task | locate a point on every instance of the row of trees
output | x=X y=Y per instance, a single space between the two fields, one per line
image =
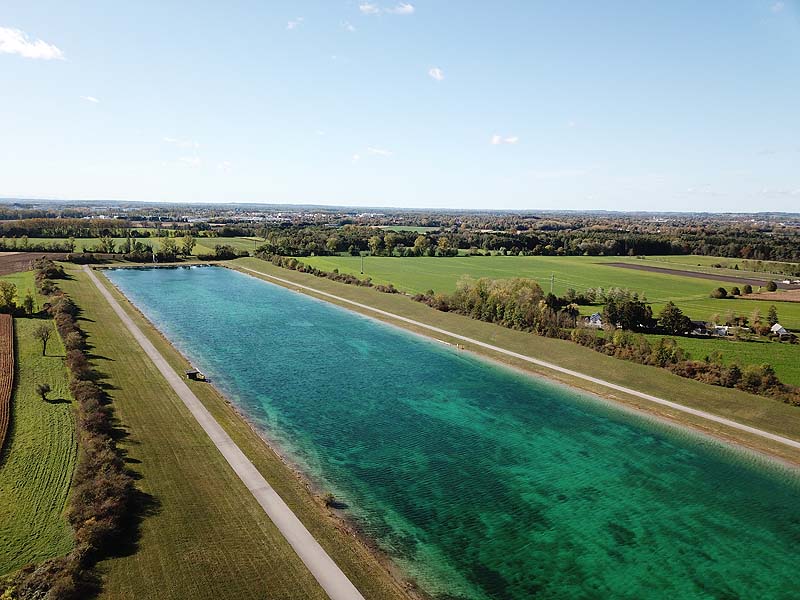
x=103 y=491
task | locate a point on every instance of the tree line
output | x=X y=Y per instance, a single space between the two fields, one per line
x=103 y=496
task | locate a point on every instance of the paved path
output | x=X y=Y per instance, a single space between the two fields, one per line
x=330 y=577
x=680 y=407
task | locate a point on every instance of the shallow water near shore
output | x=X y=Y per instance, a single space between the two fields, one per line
x=478 y=481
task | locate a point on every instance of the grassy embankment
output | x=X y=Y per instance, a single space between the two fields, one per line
x=580 y=273
x=37 y=462
x=759 y=412
x=206 y=537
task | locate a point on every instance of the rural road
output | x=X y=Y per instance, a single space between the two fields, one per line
x=322 y=567
x=613 y=386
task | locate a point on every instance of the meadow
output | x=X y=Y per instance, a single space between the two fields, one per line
x=205 y=245
x=416 y=275
x=39 y=455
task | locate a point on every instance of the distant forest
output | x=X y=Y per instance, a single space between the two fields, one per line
x=766 y=238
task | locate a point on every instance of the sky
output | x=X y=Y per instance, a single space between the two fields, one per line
x=651 y=105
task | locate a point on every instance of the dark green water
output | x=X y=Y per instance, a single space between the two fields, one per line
x=480 y=482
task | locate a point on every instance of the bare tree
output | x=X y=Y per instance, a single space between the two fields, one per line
x=42 y=333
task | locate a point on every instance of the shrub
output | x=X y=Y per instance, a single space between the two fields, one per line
x=719 y=293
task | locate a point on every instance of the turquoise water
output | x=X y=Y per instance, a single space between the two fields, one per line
x=481 y=482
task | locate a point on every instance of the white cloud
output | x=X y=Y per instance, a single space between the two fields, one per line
x=404 y=8
x=91 y=99
x=192 y=161
x=320 y=132
x=777 y=7
x=348 y=26
x=401 y=9
x=14 y=41
x=367 y=8
x=436 y=73
x=181 y=143
x=379 y=151
x=294 y=24
x=225 y=166
x=356 y=158
x=496 y=140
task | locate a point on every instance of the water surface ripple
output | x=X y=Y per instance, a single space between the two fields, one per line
x=481 y=482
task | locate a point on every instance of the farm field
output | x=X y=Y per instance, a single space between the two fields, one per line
x=704 y=264
x=420 y=274
x=784 y=357
x=204 y=536
x=6 y=375
x=39 y=455
x=204 y=245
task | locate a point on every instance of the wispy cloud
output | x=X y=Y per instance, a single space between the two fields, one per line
x=379 y=151
x=777 y=7
x=369 y=8
x=192 y=161
x=294 y=24
x=348 y=26
x=436 y=73
x=356 y=158
x=225 y=166
x=497 y=140
x=91 y=99
x=401 y=9
x=15 y=41
x=181 y=143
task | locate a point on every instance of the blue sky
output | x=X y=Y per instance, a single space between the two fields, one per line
x=677 y=105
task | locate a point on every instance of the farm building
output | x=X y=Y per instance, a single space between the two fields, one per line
x=781 y=332
x=596 y=321
x=700 y=327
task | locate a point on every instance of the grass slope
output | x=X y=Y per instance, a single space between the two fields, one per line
x=37 y=463
x=756 y=411
x=206 y=538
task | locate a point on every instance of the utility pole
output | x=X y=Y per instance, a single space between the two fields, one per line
x=362 y=262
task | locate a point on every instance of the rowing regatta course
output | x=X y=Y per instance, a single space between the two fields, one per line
x=478 y=481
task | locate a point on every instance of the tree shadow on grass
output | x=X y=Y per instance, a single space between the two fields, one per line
x=58 y=401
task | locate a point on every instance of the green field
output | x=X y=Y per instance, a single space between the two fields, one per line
x=205 y=245
x=37 y=463
x=205 y=536
x=25 y=283
x=784 y=357
x=577 y=272
x=703 y=264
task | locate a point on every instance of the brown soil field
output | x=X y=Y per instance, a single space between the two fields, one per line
x=15 y=262
x=6 y=373
x=785 y=296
